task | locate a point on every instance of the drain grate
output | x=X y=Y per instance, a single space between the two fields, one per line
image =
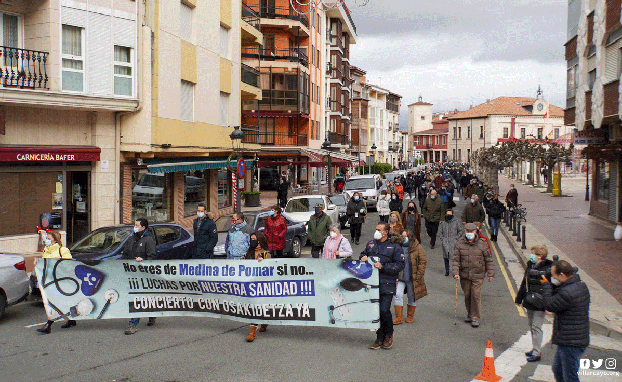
x=601 y=239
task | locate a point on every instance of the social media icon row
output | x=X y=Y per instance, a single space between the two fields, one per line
x=610 y=363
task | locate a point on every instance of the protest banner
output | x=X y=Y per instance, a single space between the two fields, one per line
x=334 y=293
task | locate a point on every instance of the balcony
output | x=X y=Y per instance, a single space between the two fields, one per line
x=339 y=139
x=285 y=17
x=251 y=26
x=273 y=54
x=611 y=99
x=250 y=83
x=23 y=68
x=252 y=135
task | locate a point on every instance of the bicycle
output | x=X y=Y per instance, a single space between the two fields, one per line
x=519 y=212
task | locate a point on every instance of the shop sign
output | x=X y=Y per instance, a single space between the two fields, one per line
x=592 y=137
x=36 y=154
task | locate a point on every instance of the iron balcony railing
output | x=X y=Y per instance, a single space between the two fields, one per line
x=339 y=139
x=274 y=139
x=270 y=53
x=250 y=75
x=251 y=16
x=23 y=68
x=251 y=133
x=269 y=12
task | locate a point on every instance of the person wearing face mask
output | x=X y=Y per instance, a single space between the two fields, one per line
x=449 y=231
x=388 y=258
x=470 y=189
x=495 y=212
x=205 y=234
x=395 y=223
x=472 y=260
x=433 y=212
x=480 y=191
x=537 y=265
x=473 y=211
x=356 y=212
x=411 y=219
x=275 y=230
x=257 y=251
x=336 y=245
x=238 y=237
x=383 y=206
x=319 y=230
x=54 y=250
x=410 y=279
x=396 y=203
x=139 y=246
x=570 y=302
x=400 y=189
x=512 y=196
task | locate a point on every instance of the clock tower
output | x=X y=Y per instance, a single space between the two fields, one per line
x=540 y=106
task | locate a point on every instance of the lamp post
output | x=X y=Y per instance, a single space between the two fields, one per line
x=373 y=149
x=326 y=145
x=237 y=135
x=587 y=179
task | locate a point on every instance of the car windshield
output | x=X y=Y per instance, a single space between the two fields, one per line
x=151 y=180
x=105 y=240
x=223 y=223
x=338 y=200
x=391 y=177
x=360 y=184
x=303 y=204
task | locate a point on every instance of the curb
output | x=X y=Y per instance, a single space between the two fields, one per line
x=595 y=326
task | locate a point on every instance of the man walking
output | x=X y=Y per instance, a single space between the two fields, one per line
x=512 y=197
x=433 y=212
x=356 y=212
x=468 y=266
x=238 y=238
x=319 y=229
x=473 y=211
x=570 y=302
x=205 y=235
x=388 y=257
x=282 y=190
x=140 y=246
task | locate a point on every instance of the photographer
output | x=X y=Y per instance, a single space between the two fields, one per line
x=530 y=295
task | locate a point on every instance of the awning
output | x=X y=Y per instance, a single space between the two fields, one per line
x=275 y=115
x=23 y=153
x=337 y=159
x=157 y=165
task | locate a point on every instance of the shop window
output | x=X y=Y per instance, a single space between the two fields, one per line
x=152 y=196
x=195 y=191
x=224 y=188
x=602 y=181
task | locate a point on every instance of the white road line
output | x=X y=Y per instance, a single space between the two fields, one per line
x=30 y=326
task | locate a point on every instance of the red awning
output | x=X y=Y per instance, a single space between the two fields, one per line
x=19 y=153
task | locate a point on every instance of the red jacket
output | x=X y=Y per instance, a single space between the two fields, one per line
x=275 y=231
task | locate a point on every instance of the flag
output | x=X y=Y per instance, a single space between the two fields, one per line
x=550 y=135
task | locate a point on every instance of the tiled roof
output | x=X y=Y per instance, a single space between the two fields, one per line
x=505 y=106
x=432 y=132
x=420 y=103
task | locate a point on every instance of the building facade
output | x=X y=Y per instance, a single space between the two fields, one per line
x=396 y=153
x=593 y=104
x=70 y=69
x=379 y=124
x=360 y=113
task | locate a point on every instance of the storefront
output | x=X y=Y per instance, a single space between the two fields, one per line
x=47 y=187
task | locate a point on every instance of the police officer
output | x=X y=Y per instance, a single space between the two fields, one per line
x=388 y=257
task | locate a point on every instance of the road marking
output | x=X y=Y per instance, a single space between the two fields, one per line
x=30 y=326
x=505 y=274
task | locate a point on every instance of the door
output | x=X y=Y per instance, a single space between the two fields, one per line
x=78 y=205
x=268 y=7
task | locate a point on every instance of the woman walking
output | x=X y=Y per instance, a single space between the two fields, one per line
x=395 y=223
x=356 y=212
x=275 y=230
x=495 y=210
x=336 y=245
x=449 y=231
x=410 y=279
x=411 y=218
x=396 y=203
x=54 y=250
x=258 y=250
x=383 y=206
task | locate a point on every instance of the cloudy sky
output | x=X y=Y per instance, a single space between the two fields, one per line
x=457 y=53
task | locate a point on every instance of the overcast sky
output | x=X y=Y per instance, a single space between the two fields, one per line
x=457 y=53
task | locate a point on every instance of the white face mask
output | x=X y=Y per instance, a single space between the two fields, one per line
x=470 y=235
x=333 y=234
x=200 y=214
x=555 y=282
x=47 y=242
x=377 y=235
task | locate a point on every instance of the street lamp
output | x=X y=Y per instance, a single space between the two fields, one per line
x=326 y=145
x=237 y=135
x=373 y=149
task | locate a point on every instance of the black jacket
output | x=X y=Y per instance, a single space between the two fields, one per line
x=353 y=209
x=396 y=205
x=140 y=244
x=205 y=238
x=533 y=279
x=571 y=304
x=495 y=209
x=391 y=256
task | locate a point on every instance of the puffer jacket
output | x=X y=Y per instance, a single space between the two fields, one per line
x=396 y=205
x=449 y=233
x=534 y=282
x=495 y=209
x=433 y=210
x=473 y=213
x=319 y=229
x=238 y=240
x=472 y=260
x=356 y=211
x=275 y=231
x=391 y=256
x=55 y=250
x=480 y=192
x=383 y=205
x=571 y=304
x=418 y=263
x=412 y=223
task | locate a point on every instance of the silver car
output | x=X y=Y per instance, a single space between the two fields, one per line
x=14 y=282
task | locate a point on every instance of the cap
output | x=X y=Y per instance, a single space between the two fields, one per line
x=319 y=205
x=470 y=226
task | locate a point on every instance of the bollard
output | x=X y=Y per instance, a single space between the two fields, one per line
x=518 y=230
x=505 y=217
x=514 y=230
x=524 y=244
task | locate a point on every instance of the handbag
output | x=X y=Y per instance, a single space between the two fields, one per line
x=534 y=299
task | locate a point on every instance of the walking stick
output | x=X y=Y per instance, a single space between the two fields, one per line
x=456 y=304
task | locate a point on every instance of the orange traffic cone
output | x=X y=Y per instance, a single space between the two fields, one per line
x=488 y=368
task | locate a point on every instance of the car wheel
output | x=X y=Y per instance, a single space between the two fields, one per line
x=2 y=303
x=296 y=249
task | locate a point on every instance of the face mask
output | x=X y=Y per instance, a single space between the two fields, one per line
x=449 y=217
x=377 y=235
x=392 y=220
x=271 y=213
x=254 y=243
x=356 y=198
x=470 y=235
x=472 y=201
x=333 y=234
x=200 y=214
x=393 y=197
x=411 y=209
x=532 y=258
x=432 y=197
x=47 y=242
x=556 y=282
x=136 y=230
x=405 y=241
x=318 y=211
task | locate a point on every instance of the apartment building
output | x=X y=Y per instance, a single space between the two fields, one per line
x=174 y=151
x=593 y=53
x=70 y=69
x=378 y=123
x=397 y=151
x=360 y=115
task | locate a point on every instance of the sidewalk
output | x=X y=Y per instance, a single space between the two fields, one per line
x=562 y=224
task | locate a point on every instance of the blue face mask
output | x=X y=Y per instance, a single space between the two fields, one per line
x=532 y=258
x=271 y=213
x=405 y=241
x=473 y=201
x=470 y=235
x=393 y=197
x=136 y=230
x=318 y=211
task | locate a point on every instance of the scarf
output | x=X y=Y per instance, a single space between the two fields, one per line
x=332 y=246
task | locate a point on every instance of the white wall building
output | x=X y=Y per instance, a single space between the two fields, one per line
x=378 y=123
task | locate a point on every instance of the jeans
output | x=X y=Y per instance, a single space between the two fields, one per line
x=410 y=292
x=134 y=321
x=386 y=319
x=494 y=226
x=316 y=250
x=432 y=229
x=536 y=318
x=446 y=265
x=566 y=363
x=355 y=230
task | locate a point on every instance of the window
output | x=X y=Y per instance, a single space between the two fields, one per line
x=540 y=133
x=571 y=82
x=317 y=55
x=455 y=132
x=167 y=234
x=313 y=54
x=454 y=150
x=185 y=22
x=592 y=78
x=468 y=132
x=460 y=154
x=318 y=95
x=152 y=195
x=481 y=131
x=224 y=188
x=505 y=132
x=556 y=133
x=10 y=36
x=317 y=130
x=468 y=155
x=195 y=190
x=72 y=59
x=602 y=181
x=437 y=142
x=312 y=130
x=619 y=62
x=312 y=93
x=123 y=71
x=423 y=117
x=224 y=43
x=186 y=105
x=459 y=132
x=522 y=133
x=224 y=109
x=444 y=140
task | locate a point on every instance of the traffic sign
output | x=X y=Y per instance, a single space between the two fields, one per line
x=418 y=154
x=241 y=168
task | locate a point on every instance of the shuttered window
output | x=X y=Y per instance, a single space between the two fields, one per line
x=185 y=22
x=187 y=101
x=224 y=109
x=73 y=59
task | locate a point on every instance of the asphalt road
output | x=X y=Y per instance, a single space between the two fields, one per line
x=203 y=349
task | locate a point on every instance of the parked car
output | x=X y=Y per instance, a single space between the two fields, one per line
x=295 y=237
x=14 y=286
x=300 y=208
x=390 y=177
x=341 y=201
x=369 y=186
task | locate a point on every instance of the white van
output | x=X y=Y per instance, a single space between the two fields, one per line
x=368 y=186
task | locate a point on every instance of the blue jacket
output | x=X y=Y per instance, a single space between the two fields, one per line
x=391 y=256
x=445 y=195
x=238 y=240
